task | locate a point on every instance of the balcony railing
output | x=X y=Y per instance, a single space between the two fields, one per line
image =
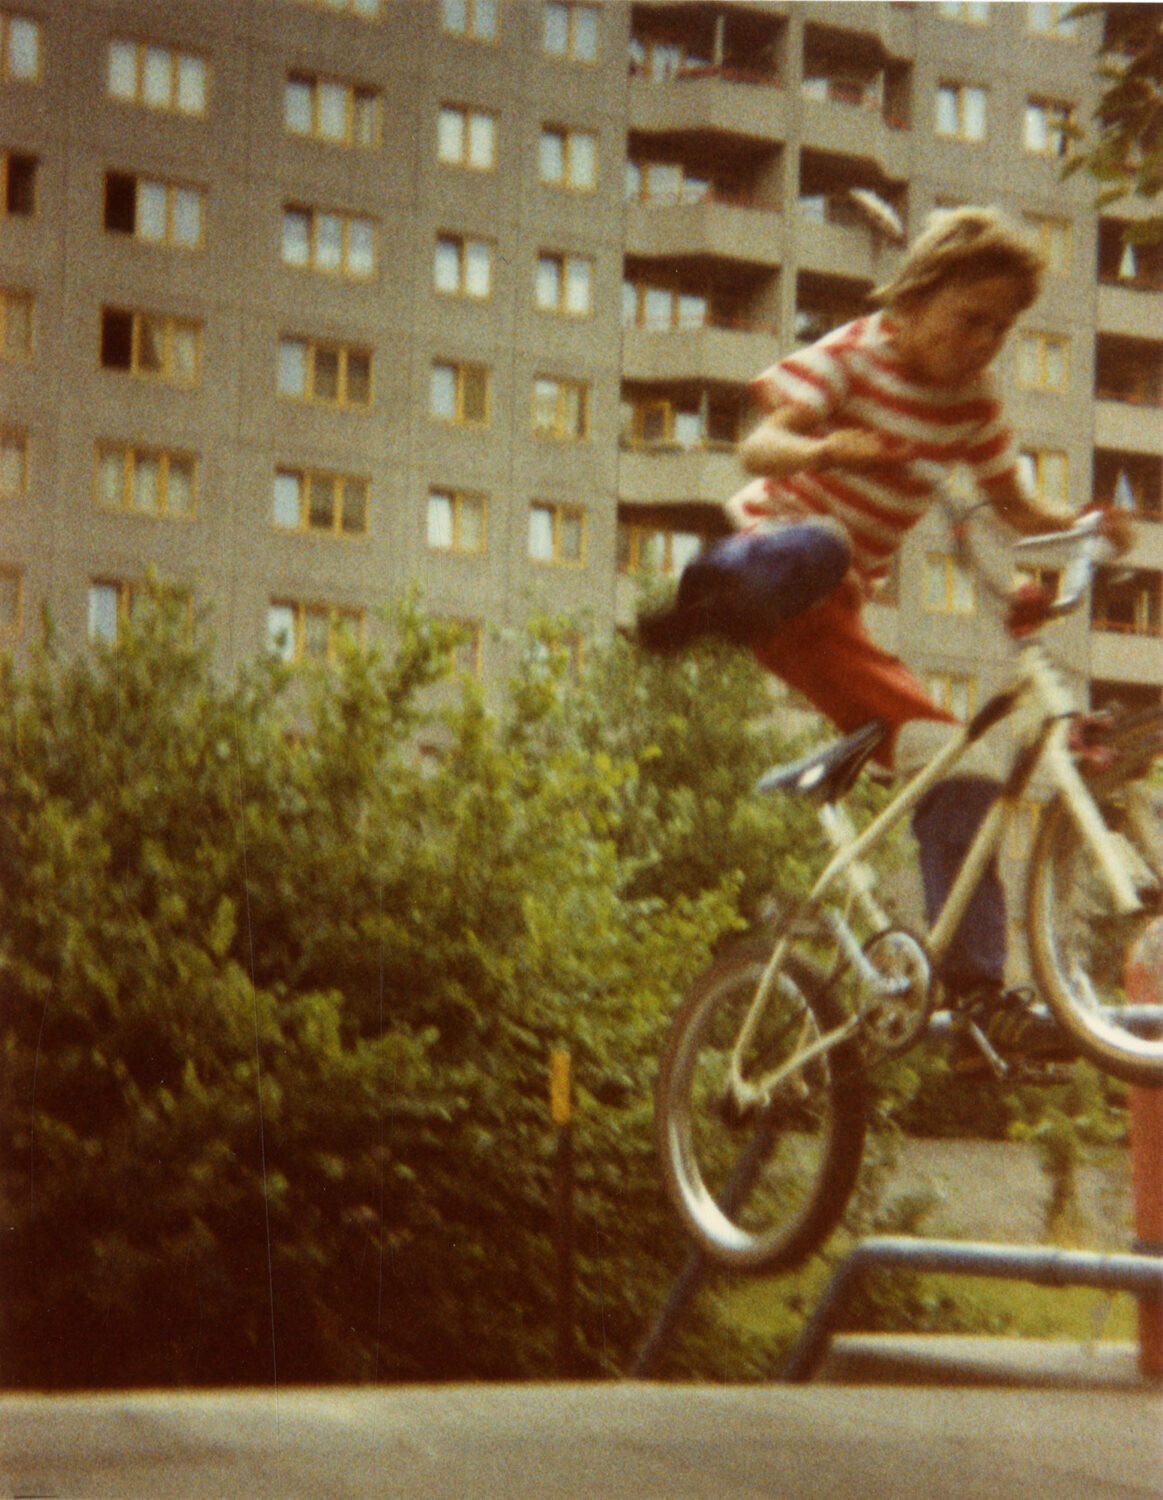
x=688 y=72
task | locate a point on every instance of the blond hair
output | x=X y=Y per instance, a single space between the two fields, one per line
x=964 y=244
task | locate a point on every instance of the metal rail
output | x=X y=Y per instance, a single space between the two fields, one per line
x=1141 y=1275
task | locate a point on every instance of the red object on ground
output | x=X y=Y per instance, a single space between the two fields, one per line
x=1144 y=976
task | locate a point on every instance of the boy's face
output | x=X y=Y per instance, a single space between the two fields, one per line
x=953 y=334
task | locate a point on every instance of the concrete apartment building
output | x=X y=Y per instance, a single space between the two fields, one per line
x=306 y=300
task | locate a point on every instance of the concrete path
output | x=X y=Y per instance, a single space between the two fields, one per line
x=601 y=1442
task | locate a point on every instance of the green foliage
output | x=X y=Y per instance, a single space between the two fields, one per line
x=277 y=994
x=1125 y=152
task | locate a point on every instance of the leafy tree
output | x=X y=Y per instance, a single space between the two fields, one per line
x=1126 y=154
x=277 y=994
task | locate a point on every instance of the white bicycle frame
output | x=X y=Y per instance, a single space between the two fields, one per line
x=1038 y=685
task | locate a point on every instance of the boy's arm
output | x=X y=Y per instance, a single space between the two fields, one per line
x=785 y=442
x=1027 y=515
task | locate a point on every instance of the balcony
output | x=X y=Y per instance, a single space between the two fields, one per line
x=847 y=250
x=1132 y=659
x=713 y=228
x=1130 y=310
x=1121 y=424
x=710 y=100
x=726 y=356
x=664 y=475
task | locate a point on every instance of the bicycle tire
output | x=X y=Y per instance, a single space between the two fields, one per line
x=1078 y=943
x=802 y=1150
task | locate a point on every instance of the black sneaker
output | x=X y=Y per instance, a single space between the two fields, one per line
x=1000 y=1027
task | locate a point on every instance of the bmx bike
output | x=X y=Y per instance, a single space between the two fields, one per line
x=762 y=1094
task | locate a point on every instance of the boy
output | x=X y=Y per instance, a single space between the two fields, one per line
x=858 y=433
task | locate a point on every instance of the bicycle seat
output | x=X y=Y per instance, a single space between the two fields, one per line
x=827 y=774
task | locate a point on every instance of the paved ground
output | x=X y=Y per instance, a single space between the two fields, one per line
x=603 y=1442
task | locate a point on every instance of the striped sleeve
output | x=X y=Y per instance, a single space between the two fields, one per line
x=990 y=451
x=814 y=379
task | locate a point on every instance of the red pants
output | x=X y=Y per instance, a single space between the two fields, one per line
x=826 y=655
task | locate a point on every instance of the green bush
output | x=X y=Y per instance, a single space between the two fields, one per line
x=277 y=993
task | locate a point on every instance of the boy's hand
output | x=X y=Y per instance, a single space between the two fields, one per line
x=853 y=448
x=1117 y=527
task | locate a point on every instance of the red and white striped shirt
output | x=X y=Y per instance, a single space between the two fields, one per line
x=853 y=378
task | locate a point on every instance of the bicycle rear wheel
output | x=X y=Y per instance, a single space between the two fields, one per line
x=1079 y=941
x=759 y=1190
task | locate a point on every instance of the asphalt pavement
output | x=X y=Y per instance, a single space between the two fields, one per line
x=1041 y=1431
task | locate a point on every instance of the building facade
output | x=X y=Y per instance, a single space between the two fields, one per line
x=306 y=301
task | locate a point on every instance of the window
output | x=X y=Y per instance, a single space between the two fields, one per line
x=367 y=10
x=456 y=521
x=561 y=408
x=557 y=533
x=570 y=31
x=1044 y=473
x=311 y=632
x=960 y=111
x=565 y=284
x=655 y=549
x=324 y=109
x=1054 y=239
x=1043 y=361
x=110 y=601
x=13 y=465
x=463 y=267
x=469 y=649
x=333 y=374
x=1047 y=127
x=1052 y=19
x=949 y=589
x=955 y=692
x=307 y=501
x=11 y=600
x=660 y=422
x=568 y=158
x=147 y=481
x=471 y=18
x=466 y=138
x=158 y=213
x=665 y=182
x=156 y=77
x=18 y=173
x=159 y=347
x=337 y=244
x=19 y=49
x=659 y=309
x=970 y=12
x=15 y=323
x=459 y=393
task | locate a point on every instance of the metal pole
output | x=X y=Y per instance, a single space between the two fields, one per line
x=1144 y=985
x=561 y=1111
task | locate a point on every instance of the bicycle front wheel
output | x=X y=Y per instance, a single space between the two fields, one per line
x=759 y=1189
x=1079 y=941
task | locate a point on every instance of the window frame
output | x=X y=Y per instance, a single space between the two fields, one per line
x=1039 y=460
x=464 y=244
x=961 y=91
x=338 y=482
x=352 y=93
x=177 y=57
x=17 y=296
x=12 y=631
x=7 y=157
x=567 y=135
x=1057 y=118
x=337 y=616
x=1048 y=228
x=172 y=324
x=942 y=685
x=16 y=441
x=1042 y=343
x=564 y=260
x=956 y=591
x=347 y=220
x=168 y=240
x=459 y=501
x=470 y=32
x=132 y=455
x=466 y=114
x=462 y=371
x=636 y=534
x=559 y=430
x=313 y=348
x=7 y=19
x=570 y=53
x=559 y=512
